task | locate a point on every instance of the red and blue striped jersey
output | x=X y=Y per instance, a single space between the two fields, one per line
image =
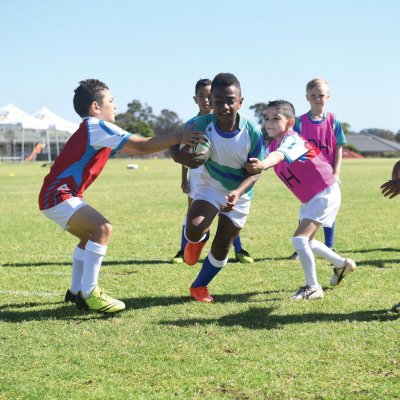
x=81 y=161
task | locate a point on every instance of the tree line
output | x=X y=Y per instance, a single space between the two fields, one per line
x=139 y=118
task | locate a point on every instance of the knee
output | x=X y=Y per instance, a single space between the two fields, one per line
x=300 y=242
x=312 y=244
x=105 y=230
x=193 y=232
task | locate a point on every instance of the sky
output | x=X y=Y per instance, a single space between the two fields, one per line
x=155 y=51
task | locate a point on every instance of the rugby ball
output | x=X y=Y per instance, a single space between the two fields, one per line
x=203 y=146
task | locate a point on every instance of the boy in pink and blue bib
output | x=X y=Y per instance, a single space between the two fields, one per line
x=303 y=168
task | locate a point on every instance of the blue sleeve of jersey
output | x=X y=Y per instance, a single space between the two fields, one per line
x=297 y=126
x=339 y=134
x=258 y=151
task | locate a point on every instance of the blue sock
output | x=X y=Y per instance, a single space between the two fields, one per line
x=206 y=274
x=237 y=244
x=183 y=238
x=329 y=235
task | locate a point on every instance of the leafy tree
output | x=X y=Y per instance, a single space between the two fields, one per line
x=137 y=119
x=346 y=128
x=167 y=123
x=397 y=137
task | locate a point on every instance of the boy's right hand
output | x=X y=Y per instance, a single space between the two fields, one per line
x=188 y=159
x=254 y=166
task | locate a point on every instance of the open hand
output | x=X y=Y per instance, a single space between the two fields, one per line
x=391 y=188
x=191 y=137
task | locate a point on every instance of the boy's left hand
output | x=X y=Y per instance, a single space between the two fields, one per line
x=231 y=201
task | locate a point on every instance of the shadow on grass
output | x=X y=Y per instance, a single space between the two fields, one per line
x=29 y=313
x=379 y=263
x=383 y=249
x=262 y=318
x=67 y=263
x=147 y=302
x=19 y=312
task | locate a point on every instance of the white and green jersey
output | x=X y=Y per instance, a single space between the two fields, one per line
x=229 y=151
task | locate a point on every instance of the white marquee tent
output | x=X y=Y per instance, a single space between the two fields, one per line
x=55 y=122
x=13 y=116
x=21 y=128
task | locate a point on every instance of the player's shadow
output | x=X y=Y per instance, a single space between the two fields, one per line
x=148 y=302
x=34 y=311
x=387 y=263
x=69 y=263
x=263 y=318
x=25 y=312
x=380 y=249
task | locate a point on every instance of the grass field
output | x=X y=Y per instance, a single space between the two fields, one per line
x=252 y=343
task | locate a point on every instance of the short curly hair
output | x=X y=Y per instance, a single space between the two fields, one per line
x=86 y=93
x=224 y=80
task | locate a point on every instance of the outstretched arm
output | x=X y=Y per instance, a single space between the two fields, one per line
x=256 y=166
x=143 y=145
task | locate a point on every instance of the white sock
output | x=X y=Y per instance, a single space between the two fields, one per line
x=77 y=270
x=306 y=256
x=216 y=263
x=94 y=254
x=201 y=239
x=321 y=250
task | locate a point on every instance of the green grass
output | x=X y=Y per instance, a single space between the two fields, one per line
x=252 y=343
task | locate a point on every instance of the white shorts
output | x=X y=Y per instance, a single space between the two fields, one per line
x=238 y=215
x=323 y=207
x=61 y=213
x=194 y=175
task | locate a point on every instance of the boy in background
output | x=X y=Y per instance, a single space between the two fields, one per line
x=325 y=132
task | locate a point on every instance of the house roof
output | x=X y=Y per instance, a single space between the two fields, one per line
x=372 y=144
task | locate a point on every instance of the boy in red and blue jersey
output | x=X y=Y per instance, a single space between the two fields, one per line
x=79 y=163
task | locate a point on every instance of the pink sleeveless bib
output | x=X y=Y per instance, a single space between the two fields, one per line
x=320 y=134
x=305 y=178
